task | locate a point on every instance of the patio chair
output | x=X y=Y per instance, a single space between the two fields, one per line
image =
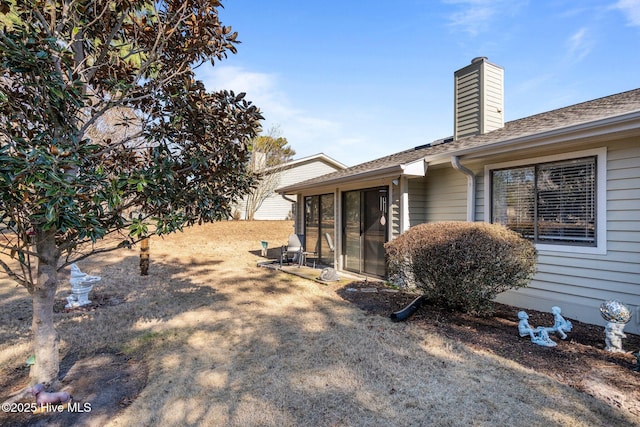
x=329 y=239
x=293 y=251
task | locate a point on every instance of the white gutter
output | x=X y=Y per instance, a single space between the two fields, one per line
x=471 y=187
x=380 y=173
x=284 y=196
x=414 y=169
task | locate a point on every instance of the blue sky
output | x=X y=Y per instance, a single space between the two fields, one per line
x=358 y=80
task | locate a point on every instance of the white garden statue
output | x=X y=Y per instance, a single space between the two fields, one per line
x=617 y=315
x=613 y=337
x=81 y=285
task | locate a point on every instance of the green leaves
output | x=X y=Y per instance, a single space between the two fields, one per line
x=101 y=116
x=140 y=183
x=138 y=228
x=50 y=215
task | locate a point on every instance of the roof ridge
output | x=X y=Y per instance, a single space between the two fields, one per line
x=574 y=106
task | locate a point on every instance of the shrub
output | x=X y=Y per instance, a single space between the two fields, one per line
x=461 y=265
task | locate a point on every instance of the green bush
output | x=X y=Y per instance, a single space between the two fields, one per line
x=461 y=265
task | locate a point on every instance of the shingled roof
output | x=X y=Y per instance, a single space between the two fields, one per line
x=584 y=114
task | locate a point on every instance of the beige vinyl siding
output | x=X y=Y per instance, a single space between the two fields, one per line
x=275 y=208
x=478 y=170
x=480 y=194
x=579 y=283
x=493 y=117
x=468 y=104
x=479 y=99
x=446 y=195
x=417 y=202
x=442 y=196
x=394 y=210
x=304 y=172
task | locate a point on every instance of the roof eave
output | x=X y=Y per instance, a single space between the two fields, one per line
x=413 y=169
x=378 y=173
x=297 y=162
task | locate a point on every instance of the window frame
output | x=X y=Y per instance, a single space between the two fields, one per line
x=600 y=154
x=320 y=243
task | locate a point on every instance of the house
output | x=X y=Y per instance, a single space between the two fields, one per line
x=280 y=206
x=569 y=179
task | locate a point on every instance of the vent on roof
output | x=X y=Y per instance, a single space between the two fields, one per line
x=479 y=98
x=434 y=143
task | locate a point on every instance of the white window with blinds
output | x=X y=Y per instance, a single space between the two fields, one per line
x=558 y=201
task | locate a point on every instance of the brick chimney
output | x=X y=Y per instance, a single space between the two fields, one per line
x=479 y=98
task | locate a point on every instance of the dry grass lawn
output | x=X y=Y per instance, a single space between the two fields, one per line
x=213 y=340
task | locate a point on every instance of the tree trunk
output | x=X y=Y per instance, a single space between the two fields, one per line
x=144 y=256
x=45 y=337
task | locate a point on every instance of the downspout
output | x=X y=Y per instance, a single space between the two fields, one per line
x=471 y=187
x=295 y=210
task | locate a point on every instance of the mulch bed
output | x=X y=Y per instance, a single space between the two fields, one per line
x=580 y=361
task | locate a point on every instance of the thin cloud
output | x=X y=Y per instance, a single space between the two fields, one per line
x=261 y=88
x=631 y=10
x=477 y=16
x=316 y=123
x=579 y=45
x=264 y=91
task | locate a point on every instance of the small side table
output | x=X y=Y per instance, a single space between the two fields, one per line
x=302 y=258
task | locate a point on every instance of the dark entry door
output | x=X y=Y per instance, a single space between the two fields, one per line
x=365 y=230
x=375 y=231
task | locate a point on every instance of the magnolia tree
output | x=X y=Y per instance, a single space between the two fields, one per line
x=100 y=116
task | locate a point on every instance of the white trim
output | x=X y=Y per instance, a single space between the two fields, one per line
x=416 y=168
x=404 y=204
x=601 y=190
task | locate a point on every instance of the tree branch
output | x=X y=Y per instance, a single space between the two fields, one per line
x=20 y=280
x=107 y=42
x=70 y=260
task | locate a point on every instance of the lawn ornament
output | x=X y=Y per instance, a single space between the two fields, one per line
x=539 y=335
x=613 y=335
x=81 y=285
x=329 y=275
x=560 y=324
x=43 y=397
x=617 y=315
x=615 y=311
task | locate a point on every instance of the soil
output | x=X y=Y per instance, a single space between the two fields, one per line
x=580 y=361
x=109 y=382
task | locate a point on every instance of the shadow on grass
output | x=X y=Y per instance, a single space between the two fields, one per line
x=103 y=353
x=214 y=342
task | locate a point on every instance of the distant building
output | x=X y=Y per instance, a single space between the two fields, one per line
x=282 y=206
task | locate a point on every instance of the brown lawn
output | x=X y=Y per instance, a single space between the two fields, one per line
x=208 y=338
